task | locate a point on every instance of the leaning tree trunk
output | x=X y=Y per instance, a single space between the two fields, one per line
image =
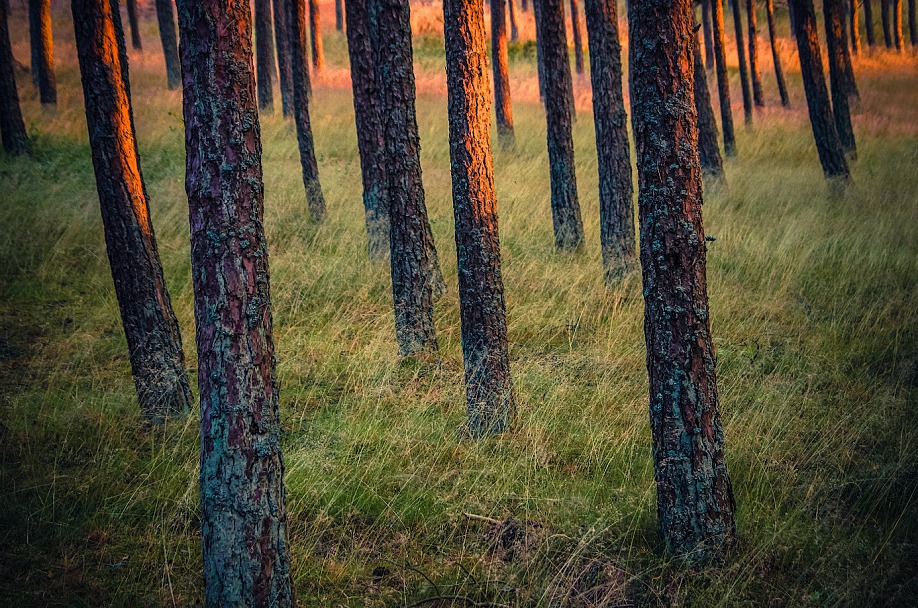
x=165 y=15
x=284 y=61
x=559 y=103
x=315 y=36
x=296 y=20
x=831 y=153
x=43 y=49
x=897 y=24
x=152 y=332
x=369 y=130
x=488 y=387
x=694 y=495
x=775 y=55
x=416 y=277
x=723 y=79
x=613 y=149
x=708 y=34
x=243 y=515
x=135 y=24
x=514 y=29
x=339 y=15
x=540 y=52
x=500 y=65
x=757 y=95
x=12 y=128
x=868 y=22
x=838 y=78
x=264 y=53
x=578 y=36
x=885 y=6
x=741 y=55
x=855 y=27
x=708 y=151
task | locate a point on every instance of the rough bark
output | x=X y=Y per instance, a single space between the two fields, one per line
x=284 y=61
x=868 y=22
x=339 y=15
x=708 y=34
x=514 y=29
x=613 y=149
x=775 y=55
x=745 y=83
x=12 y=128
x=135 y=24
x=488 y=387
x=578 y=36
x=559 y=102
x=694 y=496
x=708 y=151
x=723 y=79
x=828 y=145
x=897 y=24
x=165 y=16
x=755 y=74
x=264 y=53
x=416 y=277
x=296 y=20
x=152 y=332
x=540 y=52
x=500 y=65
x=315 y=36
x=42 y=50
x=369 y=130
x=855 y=27
x=838 y=77
x=885 y=7
x=243 y=514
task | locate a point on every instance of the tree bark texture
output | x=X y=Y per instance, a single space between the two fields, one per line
x=775 y=55
x=839 y=85
x=694 y=494
x=284 y=60
x=339 y=15
x=165 y=16
x=855 y=27
x=897 y=24
x=500 y=64
x=577 y=32
x=868 y=22
x=723 y=79
x=755 y=74
x=152 y=332
x=540 y=52
x=135 y=24
x=708 y=151
x=43 y=49
x=315 y=36
x=708 y=34
x=741 y=56
x=264 y=53
x=12 y=128
x=243 y=514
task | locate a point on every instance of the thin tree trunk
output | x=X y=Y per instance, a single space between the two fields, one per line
x=775 y=55
x=416 y=277
x=741 y=55
x=912 y=23
x=315 y=36
x=897 y=24
x=578 y=36
x=559 y=102
x=284 y=60
x=855 y=27
x=613 y=149
x=514 y=29
x=488 y=387
x=885 y=6
x=339 y=15
x=694 y=495
x=839 y=86
x=540 y=50
x=828 y=145
x=708 y=34
x=500 y=65
x=152 y=332
x=12 y=128
x=43 y=49
x=243 y=513
x=135 y=24
x=165 y=15
x=264 y=52
x=757 y=95
x=708 y=151
x=723 y=79
x=868 y=22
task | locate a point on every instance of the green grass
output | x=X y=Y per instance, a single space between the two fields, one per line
x=814 y=317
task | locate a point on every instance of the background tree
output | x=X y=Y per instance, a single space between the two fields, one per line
x=741 y=57
x=855 y=27
x=613 y=148
x=559 y=114
x=165 y=16
x=12 y=128
x=243 y=512
x=578 y=36
x=42 y=50
x=315 y=33
x=488 y=387
x=775 y=55
x=339 y=15
x=514 y=29
x=152 y=332
x=757 y=95
x=868 y=22
x=897 y=24
x=264 y=52
x=694 y=495
x=500 y=65
x=708 y=151
x=912 y=23
x=135 y=24
x=723 y=78
x=284 y=60
x=833 y=12
x=885 y=7
x=708 y=34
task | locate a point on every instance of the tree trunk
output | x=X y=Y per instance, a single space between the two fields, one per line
x=12 y=128
x=757 y=95
x=741 y=55
x=43 y=49
x=524 y=4
x=165 y=15
x=694 y=495
x=723 y=79
x=855 y=27
x=540 y=51
x=831 y=154
x=315 y=33
x=264 y=52
x=708 y=151
x=369 y=130
x=243 y=515
x=488 y=387
x=559 y=113
x=897 y=24
x=339 y=15
x=284 y=60
x=578 y=36
x=150 y=326
x=868 y=22
x=839 y=86
x=416 y=277
x=613 y=149
x=514 y=29
x=499 y=63
x=912 y=23
x=775 y=55
x=885 y=6
x=708 y=34
x=135 y=24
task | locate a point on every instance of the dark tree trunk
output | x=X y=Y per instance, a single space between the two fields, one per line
x=296 y=20
x=790 y=18
x=514 y=29
x=488 y=387
x=284 y=60
x=868 y=22
x=43 y=49
x=264 y=53
x=757 y=95
x=416 y=277
x=369 y=130
x=165 y=15
x=885 y=6
x=339 y=15
x=613 y=149
x=12 y=128
x=559 y=113
x=578 y=36
x=831 y=154
x=708 y=151
x=694 y=495
x=897 y=24
x=741 y=55
x=855 y=27
x=243 y=515
x=838 y=78
x=912 y=23
x=500 y=65
x=135 y=24
x=152 y=332
x=708 y=34
x=775 y=55
x=540 y=51
x=843 y=55
x=723 y=79
x=524 y=4
x=315 y=36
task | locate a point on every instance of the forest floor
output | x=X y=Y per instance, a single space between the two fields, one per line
x=814 y=306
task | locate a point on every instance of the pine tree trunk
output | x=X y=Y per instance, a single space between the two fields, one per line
x=488 y=386
x=514 y=29
x=243 y=513
x=723 y=79
x=885 y=6
x=708 y=151
x=12 y=128
x=540 y=51
x=757 y=95
x=775 y=54
x=315 y=36
x=897 y=24
x=694 y=495
x=868 y=22
x=135 y=24
x=369 y=130
x=741 y=55
x=43 y=49
x=284 y=60
x=839 y=85
x=855 y=27
x=165 y=15
x=264 y=53
x=843 y=53
x=416 y=277
x=828 y=145
x=339 y=15
x=708 y=34
x=524 y=4
x=613 y=149
x=150 y=326
x=559 y=103
x=578 y=36
x=500 y=65
x=296 y=21
x=912 y=23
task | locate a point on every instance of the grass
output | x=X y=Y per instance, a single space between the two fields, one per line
x=814 y=320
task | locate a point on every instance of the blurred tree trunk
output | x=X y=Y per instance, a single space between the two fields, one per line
x=264 y=51
x=868 y=22
x=897 y=24
x=775 y=54
x=757 y=95
x=284 y=60
x=741 y=55
x=135 y=24
x=885 y=7
x=42 y=50
x=723 y=78
x=855 y=27
x=578 y=36
x=165 y=15
x=912 y=24
x=708 y=151
x=695 y=503
x=839 y=86
x=708 y=34
x=152 y=332
x=613 y=148
x=315 y=33
x=559 y=114
x=369 y=130
x=339 y=15
x=514 y=29
x=488 y=387
x=524 y=4
x=12 y=128
x=500 y=65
